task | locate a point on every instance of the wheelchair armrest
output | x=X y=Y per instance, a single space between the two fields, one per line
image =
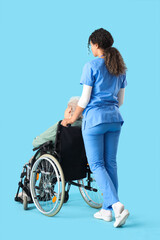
x=42 y=145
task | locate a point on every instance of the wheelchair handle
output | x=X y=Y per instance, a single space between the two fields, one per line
x=68 y=125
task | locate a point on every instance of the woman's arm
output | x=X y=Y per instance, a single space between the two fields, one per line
x=49 y=134
x=121 y=96
x=85 y=97
x=83 y=101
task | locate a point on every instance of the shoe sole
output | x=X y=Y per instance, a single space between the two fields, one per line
x=124 y=215
x=109 y=219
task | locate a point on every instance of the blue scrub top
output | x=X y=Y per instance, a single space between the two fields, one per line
x=103 y=105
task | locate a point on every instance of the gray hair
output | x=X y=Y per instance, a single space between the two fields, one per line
x=73 y=103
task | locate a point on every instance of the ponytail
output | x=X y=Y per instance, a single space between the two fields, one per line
x=114 y=61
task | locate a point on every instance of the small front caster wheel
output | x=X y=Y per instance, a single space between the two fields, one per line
x=25 y=204
x=66 y=197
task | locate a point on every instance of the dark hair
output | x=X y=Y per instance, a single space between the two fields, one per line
x=113 y=59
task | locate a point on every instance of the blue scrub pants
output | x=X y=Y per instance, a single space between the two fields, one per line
x=101 y=144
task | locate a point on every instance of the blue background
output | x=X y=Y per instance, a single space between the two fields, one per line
x=43 y=48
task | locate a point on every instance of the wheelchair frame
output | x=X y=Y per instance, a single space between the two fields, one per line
x=52 y=149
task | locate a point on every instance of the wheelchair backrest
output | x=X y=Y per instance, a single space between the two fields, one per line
x=70 y=146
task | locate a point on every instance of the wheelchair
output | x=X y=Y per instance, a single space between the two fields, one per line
x=54 y=168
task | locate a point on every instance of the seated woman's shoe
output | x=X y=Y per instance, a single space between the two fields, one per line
x=104 y=214
x=121 y=214
x=22 y=194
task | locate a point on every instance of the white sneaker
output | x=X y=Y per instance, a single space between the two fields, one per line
x=121 y=219
x=118 y=207
x=121 y=214
x=104 y=214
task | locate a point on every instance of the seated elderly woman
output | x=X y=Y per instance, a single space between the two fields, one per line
x=50 y=133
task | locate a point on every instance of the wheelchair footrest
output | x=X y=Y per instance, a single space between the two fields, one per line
x=86 y=187
x=18 y=199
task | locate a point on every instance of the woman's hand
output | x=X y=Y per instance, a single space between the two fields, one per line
x=66 y=121
x=73 y=118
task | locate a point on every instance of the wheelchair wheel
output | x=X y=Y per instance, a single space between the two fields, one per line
x=92 y=198
x=25 y=203
x=46 y=183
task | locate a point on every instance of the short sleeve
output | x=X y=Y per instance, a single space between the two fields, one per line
x=87 y=75
x=124 y=82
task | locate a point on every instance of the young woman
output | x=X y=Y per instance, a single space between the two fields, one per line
x=104 y=82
